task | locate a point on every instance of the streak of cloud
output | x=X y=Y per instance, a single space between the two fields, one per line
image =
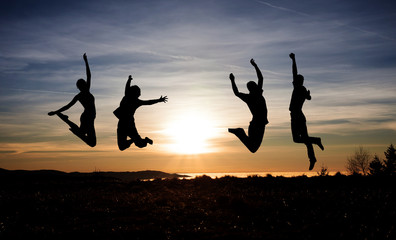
x=284 y=9
x=335 y=23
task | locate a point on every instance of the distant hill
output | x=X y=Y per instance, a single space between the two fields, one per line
x=53 y=175
x=142 y=175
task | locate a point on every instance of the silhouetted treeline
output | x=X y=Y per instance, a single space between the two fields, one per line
x=386 y=166
x=362 y=163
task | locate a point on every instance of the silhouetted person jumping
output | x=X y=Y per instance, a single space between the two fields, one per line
x=86 y=131
x=298 y=121
x=257 y=107
x=125 y=113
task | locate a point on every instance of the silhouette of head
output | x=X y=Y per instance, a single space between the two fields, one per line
x=299 y=81
x=253 y=87
x=81 y=84
x=134 y=91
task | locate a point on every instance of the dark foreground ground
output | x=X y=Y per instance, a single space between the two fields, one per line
x=337 y=207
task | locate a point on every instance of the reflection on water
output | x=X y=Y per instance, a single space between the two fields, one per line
x=247 y=174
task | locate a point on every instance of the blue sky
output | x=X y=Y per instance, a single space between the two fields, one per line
x=185 y=50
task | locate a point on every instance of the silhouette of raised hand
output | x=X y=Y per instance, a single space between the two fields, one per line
x=164 y=99
x=292 y=56
x=232 y=78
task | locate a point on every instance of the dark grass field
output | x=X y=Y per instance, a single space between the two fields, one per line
x=95 y=207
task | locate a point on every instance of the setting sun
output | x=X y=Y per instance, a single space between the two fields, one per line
x=191 y=134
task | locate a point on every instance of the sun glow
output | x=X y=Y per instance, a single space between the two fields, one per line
x=190 y=134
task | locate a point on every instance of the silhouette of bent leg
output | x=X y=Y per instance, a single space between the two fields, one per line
x=89 y=139
x=90 y=136
x=65 y=118
x=126 y=130
x=300 y=135
x=141 y=143
x=87 y=130
x=311 y=155
x=122 y=141
x=75 y=129
x=253 y=141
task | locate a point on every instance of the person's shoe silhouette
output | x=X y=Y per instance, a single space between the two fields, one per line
x=149 y=141
x=312 y=164
x=62 y=116
x=320 y=145
x=236 y=131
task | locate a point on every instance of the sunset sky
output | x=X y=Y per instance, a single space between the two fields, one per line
x=186 y=50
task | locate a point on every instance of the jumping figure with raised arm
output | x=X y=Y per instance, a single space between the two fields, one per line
x=257 y=106
x=298 y=121
x=126 y=121
x=86 y=131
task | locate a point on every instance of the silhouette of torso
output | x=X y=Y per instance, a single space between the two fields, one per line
x=257 y=106
x=299 y=95
x=87 y=100
x=127 y=108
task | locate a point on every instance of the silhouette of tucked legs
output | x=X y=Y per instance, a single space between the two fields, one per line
x=254 y=138
x=300 y=135
x=128 y=129
x=87 y=128
x=85 y=132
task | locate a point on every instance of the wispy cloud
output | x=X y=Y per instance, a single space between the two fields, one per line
x=338 y=23
x=284 y=9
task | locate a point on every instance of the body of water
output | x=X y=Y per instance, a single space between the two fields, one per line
x=247 y=174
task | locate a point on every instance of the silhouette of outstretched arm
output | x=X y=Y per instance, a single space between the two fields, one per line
x=259 y=75
x=294 y=65
x=234 y=86
x=154 y=101
x=128 y=84
x=87 y=70
x=71 y=103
